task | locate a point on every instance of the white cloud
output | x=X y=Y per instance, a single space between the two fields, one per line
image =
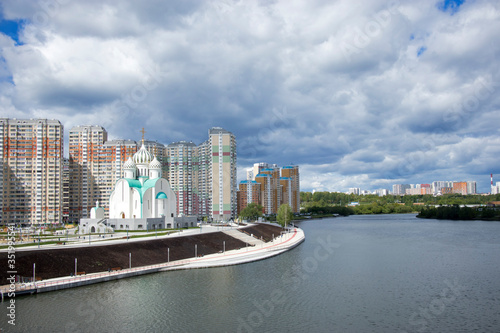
x=358 y=95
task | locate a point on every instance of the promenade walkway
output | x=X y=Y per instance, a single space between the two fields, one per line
x=244 y=237
x=280 y=244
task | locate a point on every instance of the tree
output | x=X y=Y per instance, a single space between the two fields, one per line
x=251 y=212
x=285 y=215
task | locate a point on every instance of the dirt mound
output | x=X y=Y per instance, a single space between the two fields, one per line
x=263 y=231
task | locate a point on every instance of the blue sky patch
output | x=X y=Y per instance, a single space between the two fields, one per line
x=11 y=28
x=451 y=6
x=421 y=51
x=5 y=75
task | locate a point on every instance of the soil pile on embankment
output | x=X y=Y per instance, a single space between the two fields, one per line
x=264 y=232
x=61 y=262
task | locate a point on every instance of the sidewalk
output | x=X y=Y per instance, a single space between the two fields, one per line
x=119 y=237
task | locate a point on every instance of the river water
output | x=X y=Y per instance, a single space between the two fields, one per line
x=383 y=273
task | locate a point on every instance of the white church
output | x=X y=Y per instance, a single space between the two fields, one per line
x=142 y=199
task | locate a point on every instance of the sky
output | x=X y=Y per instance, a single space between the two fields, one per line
x=358 y=94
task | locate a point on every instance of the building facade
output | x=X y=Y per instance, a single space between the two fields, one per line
x=460 y=188
x=84 y=142
x=203 y=177
x=293 y=196
x=31 y=159
x=266 y=193
x=222 y=174
x=183 y=175
x=400 y=189
x=276 y=187
x=95 y=165
x=248 y=192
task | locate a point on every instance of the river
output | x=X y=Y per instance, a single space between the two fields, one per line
x=378 y=273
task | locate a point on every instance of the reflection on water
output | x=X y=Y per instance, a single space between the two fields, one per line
x=386 y=273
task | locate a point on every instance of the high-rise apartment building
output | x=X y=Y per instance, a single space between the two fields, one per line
x=276 y=187
x=460 y=188
x=266 y=192
x=84 y=144
x=203 y=177
x=495 y=189
x=258 y=167
x=286 y=191
x=419 y=189
x=292 y=196
x=400 y=189
x=354 y=190
x=31 y=159
x=95 y=165
x=222 y=174
x=437 y=186
x=248 y=192
x=65 y=191
x=471 y=187
x=183 y=175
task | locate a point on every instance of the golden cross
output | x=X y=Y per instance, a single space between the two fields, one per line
x=142 y=131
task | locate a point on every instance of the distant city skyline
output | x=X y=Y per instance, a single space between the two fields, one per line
x=359 y=95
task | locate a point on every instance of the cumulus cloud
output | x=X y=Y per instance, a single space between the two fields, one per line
x=357 y=95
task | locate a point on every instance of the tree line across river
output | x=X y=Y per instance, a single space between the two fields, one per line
x=328 y=203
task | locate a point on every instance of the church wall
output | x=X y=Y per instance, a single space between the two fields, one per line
x=166 y=207
x=134 y=205
x=122 y=201
x=147 y=204
x=139 y=224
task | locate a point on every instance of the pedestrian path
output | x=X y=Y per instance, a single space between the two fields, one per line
x=244 y=237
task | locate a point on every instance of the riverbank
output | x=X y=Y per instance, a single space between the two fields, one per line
x=460 y=213
x=130 y=259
